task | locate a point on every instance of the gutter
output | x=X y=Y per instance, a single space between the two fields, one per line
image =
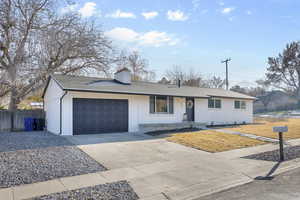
x=60 y=112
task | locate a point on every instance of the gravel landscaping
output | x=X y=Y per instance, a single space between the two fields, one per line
x=289 y=154
x=120 y=190
x=43 y=157
x=30 y=140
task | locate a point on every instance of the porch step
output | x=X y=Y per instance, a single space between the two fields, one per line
x=145 y=128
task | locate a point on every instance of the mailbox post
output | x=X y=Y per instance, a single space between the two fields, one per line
x=280 y=130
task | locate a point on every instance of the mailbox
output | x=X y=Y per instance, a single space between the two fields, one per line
x=280 y=129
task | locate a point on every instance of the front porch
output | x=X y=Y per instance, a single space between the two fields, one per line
x=150 y=127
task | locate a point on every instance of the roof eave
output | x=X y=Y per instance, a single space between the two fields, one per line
x=47 y=84
x=230 y=97
x=131 y=93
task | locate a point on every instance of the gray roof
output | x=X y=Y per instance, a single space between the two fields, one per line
x=92 y=84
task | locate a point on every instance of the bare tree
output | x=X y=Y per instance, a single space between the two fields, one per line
x=188 y=78
x=137 y=65
x=164 y=80
x=175 y=73
x=284 y=70
x=194 y=79
x=216 y=82
x=263 y=84
x=36 y=41
x=237 y=88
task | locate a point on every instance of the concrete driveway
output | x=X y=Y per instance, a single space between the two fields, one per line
x=158 y=169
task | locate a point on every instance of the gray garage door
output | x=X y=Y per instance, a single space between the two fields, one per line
x=93 y=116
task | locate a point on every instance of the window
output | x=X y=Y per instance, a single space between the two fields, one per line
x=161 y=104
x=239 y=104
x=214 y=103
x=211 y=103
x=243 y=104
x=217 y=103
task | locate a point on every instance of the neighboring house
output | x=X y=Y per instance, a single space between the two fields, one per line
x=85 y=105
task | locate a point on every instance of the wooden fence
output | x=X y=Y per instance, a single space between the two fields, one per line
x=6 y=119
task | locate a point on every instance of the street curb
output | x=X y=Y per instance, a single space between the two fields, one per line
x=290 y=166
x=220 y=189
x=192 y=192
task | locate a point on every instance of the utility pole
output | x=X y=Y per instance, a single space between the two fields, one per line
x=226 y=61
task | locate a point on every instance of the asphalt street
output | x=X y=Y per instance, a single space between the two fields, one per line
x=285 y=186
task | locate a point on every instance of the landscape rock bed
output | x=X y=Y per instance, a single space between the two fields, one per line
x=120 y=190
x=289 y=154
x=40 y=159
x=30 y=140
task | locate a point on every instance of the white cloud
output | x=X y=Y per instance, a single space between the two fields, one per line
x=221 y=3
x=156 y=38
x=196 y=4
x=120 y=14
x=88 y=9
x=249 y=12
x=151 y=38
x=228 y=10
x=150 y=15
x=176 y=15
x=123 y=34
x=69 y=8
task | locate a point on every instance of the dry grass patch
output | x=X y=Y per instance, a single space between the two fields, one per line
x=264 y=127
x=212 y=141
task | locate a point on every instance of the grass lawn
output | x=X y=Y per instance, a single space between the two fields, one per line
x=212 y=141
x=264 y=127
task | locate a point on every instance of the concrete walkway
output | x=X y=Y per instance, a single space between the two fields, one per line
x=157 y=169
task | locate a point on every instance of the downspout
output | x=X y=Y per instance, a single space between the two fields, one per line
x=60 y=112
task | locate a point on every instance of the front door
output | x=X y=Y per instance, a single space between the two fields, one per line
x=190 y=109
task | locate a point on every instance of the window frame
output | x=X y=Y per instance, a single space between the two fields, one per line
x=237 y=102
x=242 y=105
x=214 y=103
x=169 y=110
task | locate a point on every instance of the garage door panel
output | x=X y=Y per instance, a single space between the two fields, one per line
x=99 y=116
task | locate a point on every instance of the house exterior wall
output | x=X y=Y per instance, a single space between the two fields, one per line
x=52 y=107
x=139 y=112
x=226 y=115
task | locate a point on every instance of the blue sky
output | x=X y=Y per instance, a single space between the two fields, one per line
x=199 y=33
